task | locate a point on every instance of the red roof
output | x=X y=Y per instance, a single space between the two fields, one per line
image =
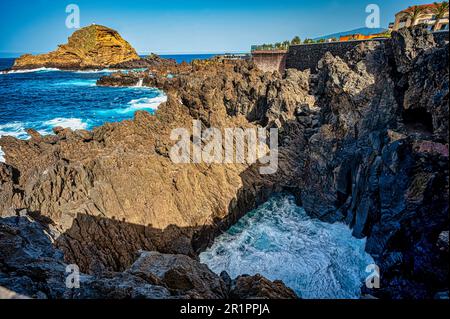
x=425 y=6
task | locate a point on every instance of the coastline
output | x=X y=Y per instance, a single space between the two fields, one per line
x=352 y=151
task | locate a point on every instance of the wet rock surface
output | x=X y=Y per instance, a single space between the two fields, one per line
x=363 y=140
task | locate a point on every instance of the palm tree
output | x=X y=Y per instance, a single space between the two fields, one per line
x=296 y=40
x=413 y=13
x=439 y=10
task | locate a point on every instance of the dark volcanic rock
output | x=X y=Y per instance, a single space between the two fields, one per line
x=258 y=287
x=363 y=141
x=149 y=62
x=31 y=266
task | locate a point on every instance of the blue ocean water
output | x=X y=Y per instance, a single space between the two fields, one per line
x=280 y=241
x=45 y=98
x=187 y=57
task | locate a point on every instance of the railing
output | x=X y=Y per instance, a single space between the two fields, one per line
x=269 y=47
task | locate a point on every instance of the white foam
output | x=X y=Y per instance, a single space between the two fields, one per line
x=72 y=123
x=148 y=102
x=2 y=156
x=43 y=70
x=140 y=83
x=279 y=241
x=15 y=129
x=95 y=71
x=88 y=82
x=30 y=70
x=145 y=103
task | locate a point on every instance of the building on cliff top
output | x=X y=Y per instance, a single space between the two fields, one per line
x=359 y=36
x=425 y=14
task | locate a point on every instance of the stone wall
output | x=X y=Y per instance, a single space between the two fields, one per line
x=306 y=56
x=269 y=61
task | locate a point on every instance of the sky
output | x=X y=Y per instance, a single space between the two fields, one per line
x=184 y=26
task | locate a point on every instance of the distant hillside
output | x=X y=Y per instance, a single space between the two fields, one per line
x=364 y=31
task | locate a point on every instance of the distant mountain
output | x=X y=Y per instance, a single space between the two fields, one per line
x=364 y=31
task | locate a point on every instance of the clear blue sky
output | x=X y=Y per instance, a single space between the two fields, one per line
x=184 y=26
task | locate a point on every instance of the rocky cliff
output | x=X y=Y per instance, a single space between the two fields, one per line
x=91 y=47
x=30 y=264
x=363 y=140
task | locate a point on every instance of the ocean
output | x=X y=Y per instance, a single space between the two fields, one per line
x=280 y=241
x=277 y=240
x=45 y=98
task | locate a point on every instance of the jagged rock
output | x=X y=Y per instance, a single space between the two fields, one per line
x=150 y=62
x=357 y=145
x=181 y=274
x=408 y=44
x=32 y=266
x=8 y=294
x=91 y=47
x=258 y=287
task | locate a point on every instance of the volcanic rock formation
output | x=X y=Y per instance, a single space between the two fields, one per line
x=363 y=140
x=91 y=47
x=30 y=264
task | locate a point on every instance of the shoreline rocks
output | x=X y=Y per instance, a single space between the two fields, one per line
x=30 y=265
x=363 y=140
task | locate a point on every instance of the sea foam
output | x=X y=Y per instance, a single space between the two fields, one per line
x=40 y=70
x=72 y=123
x=2 y=156
x=145 y=103
x=78 y=82
x=280 y=241
x=15 y=129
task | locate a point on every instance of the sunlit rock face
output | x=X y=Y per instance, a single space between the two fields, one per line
x=90 y=47
x=279 y=241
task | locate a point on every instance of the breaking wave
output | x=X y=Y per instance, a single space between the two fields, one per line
x=2 y=155
x=73 y=123
x=17 y=129
x=40 y=70
x=280 y=241
x=79 y=82
x=145 y=103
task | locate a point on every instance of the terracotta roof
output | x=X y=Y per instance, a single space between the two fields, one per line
x=425 y=6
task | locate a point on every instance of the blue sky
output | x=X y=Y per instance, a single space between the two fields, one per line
x=174 y=26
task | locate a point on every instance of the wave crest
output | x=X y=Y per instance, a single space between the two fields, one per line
x=40 y=70
x=2 y=156
x=280 y=241
x=72 y=123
